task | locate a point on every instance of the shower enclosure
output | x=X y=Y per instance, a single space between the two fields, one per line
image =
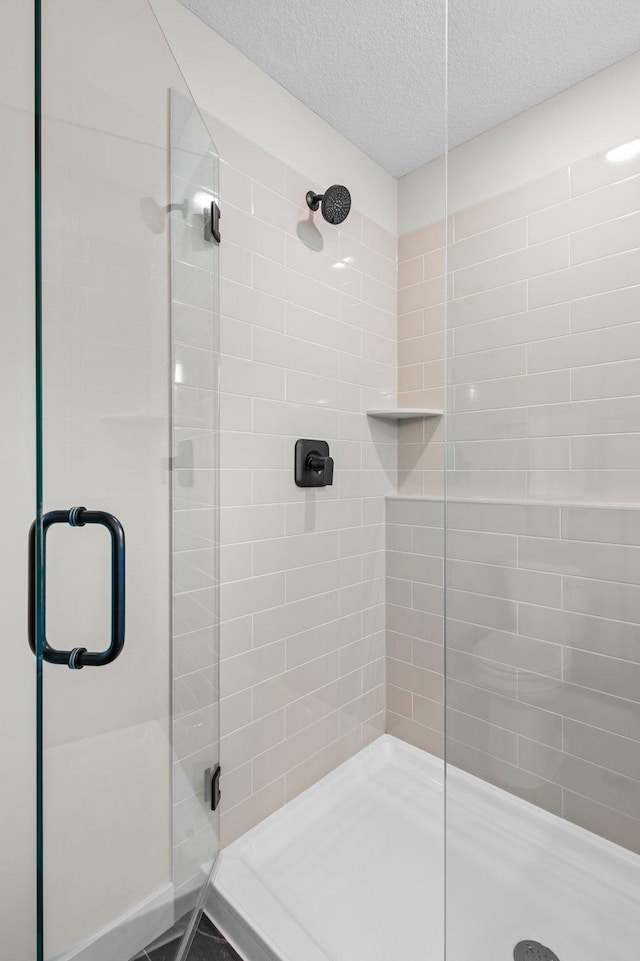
x=395 y=713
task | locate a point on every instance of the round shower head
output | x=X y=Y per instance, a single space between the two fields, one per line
x=336 y=203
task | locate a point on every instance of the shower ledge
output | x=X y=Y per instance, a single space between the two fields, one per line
x=405 y=413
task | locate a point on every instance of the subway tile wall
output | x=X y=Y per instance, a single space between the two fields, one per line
x=543 y=321
x=543 y=600
x=308 y=342
x=543 y=650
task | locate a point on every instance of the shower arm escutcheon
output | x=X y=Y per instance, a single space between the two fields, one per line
x=80 y=657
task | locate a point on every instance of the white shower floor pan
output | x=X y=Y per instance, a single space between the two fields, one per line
x=353 y=870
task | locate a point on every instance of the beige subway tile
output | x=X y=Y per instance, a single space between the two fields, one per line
x=428 y=627
x=616 y=638
x=302 y=776
x=483 y=485
x=427 y=597
x=617 y=379
x=290 y=285
x=311 y=708
x=245 y=815
x=489 y=425
x=535 y=195
x=282 y=690
x=236 y=785
x=487 y=365
x=514 y=650
x=513 y=779
x=590 y=487
x=584 y=280
x=619 y=754
x=411 y=325
x=240 y=746
x=415 y=512
x=321 y=639
x=602 y=598
x=550 y=387
x=507 y=582
x=482 y=546
x=575 y=774
x=251 y=306
x=434 y=318
x=610 y=309
x=590 y=707
x=584 y=349
x=398 y=592
x=601 y=820
x=399 y=646
x=235 y=187
x=399 y=701
x=617 y=415
x=379 y=295
x=428 y=713
x=413 y=733
x=425 y=294
x=605 y=239
x=379 y=239
x=410 y=378
x=357 y=256
x=530 y=262
x=482 y=673
x=488 y=611
x=244 y=670
x=512 y=715
x=287 y=754
x=606 y=452
x=422 y=240
x=607 y=674
x=434 y=265
x=611 y=562
x=423 y=349
x=597 y=171
x=613 y=525
x=236 y=711
x=611 y=201
x=487 y=305
x=520 y=328
x=484 y=737
x=427 y=654
x=295 y=617
x=253 y=234
x=536 y=453
x=542 y=521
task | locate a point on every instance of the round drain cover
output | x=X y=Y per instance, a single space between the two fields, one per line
x=533 y=951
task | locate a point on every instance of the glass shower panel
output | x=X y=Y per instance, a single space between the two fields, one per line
x=128 y=443
x=542 y=677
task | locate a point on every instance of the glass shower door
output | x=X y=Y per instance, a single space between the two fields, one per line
x=124 y=577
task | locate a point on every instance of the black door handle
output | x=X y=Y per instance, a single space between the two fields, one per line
x=80 y=657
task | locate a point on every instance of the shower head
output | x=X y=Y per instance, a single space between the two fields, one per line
x=336 y=203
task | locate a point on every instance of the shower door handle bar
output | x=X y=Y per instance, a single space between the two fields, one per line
x=80 y=657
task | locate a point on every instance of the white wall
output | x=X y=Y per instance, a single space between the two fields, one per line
x=229 y=86
x=586 y=118
x=17 y=677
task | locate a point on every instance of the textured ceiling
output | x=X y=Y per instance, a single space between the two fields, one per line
x=374 y=69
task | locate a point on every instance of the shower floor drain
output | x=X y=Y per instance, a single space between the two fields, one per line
x=533 y=951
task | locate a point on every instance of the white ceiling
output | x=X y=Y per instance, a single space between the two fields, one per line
x=375 y=69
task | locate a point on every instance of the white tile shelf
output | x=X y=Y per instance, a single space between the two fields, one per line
x=404 y=413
